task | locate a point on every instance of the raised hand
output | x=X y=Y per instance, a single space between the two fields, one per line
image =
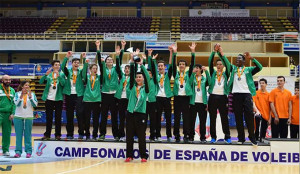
x=174 y=48
x=49 y=71
x=221 y=51
x=150 y=52
x=203 y=68
x=97 y=43
x=193 y=47
x=137 y=51
x=216 y=47
x=87 y=60
x=83 y=55
x=142 y=59
x=170 y=48
x=118 y=50
x=154 y=56
x=123 y=43
x=248 y=56
x=69 y=54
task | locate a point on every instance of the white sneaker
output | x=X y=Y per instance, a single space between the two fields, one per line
x=6 y=154
x=158 y=139
x=123 y=139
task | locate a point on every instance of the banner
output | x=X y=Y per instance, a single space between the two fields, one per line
x=77 y=149
x=190 y=36
x=272 y=83
x=140 y=37
x=219 y=12
x=209 y=152
x=285 y=151
x=158 y=45
x=24 y=69
x=291 y=47
x=113 y=36
x=17 y=69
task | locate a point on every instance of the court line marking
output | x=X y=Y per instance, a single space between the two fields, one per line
x=84 y=167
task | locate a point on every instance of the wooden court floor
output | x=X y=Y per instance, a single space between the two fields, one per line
x=91 y=166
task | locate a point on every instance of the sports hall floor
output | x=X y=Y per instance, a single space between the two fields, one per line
x=90 y=166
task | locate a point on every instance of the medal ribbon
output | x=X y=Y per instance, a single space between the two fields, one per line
x=219 y=76
x=25 y=100
x=7 y=94
x=137 y=91
x=198 y=81
x=182 y=78
x=161 y=81
x=74 y=77
x=240 y=73
x=125 y=82
x=54 y=79
x=92 y=80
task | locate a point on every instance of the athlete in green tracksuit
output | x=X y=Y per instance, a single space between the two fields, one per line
x=242 y=87
x=73 y=91
x=122 y=92
x=91 y=99
x=136 y=121
x=7 y=111
x=151 y=100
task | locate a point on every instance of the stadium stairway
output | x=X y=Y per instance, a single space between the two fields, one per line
x=277 y=25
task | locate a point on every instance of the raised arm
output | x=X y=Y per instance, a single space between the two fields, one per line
x=225 y=61
x=63 y=65
x=85 y=67
x=118 y=62
x=43 y=80
x=132 y=74
x=147 y=76
x=192 y=47
x=258 y=67
x=154 y=68
x=208 y=78
x=170 y=62
x=174 y=66
x=123 y=44
x=100 y=60
x=211 y=60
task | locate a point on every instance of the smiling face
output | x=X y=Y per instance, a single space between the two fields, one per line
x=56 y=66
x=94 y=69
x=109 y=62
x=26 y=86
x=75 y=64
x=263 y=85
x=161 y=68
x=240 y=61
x=127 y=70
x=220 y=65
x=139 y=79
x=6 y=80
x=182 y=66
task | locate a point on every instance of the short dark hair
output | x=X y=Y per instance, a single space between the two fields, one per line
x=219 y=60
x=55 y=61
x=199 y=66
x=91 y=66
x=241 y=55
x=263 y=80
x=161 y=61
x=296 y=87
x=182 y=61
x=279 y=77
x=127 y=66
x=73 y=60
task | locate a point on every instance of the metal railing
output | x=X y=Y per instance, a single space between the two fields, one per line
x=291 y=37
x=34 y=13
x=117 y=12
